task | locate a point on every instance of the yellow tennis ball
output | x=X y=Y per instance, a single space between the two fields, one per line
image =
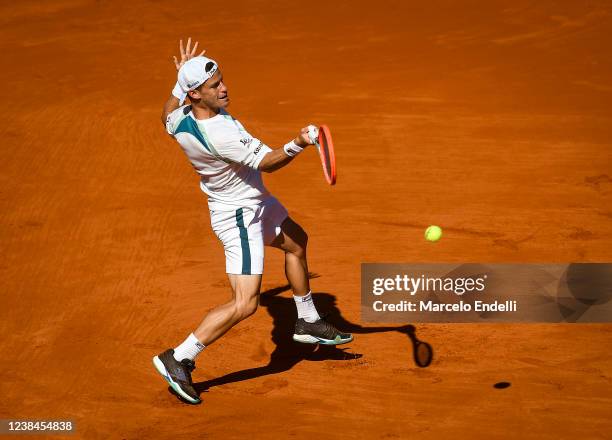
x=433 y=233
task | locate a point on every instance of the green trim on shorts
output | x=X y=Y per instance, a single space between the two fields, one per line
x=244 y=243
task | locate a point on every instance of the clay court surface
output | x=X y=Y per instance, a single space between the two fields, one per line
x=491 y=119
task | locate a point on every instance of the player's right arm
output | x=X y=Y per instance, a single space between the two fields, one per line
x=277 y=159
x=229 y=144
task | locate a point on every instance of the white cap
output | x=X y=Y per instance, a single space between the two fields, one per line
x=196 y=72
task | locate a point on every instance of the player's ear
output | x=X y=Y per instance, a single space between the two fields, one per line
x=194 y=94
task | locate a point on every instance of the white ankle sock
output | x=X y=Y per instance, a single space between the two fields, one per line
x=189 y=349
x=306 y=308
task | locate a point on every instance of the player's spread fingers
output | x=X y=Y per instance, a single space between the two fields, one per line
x=176 y=63
x=202 y=53
x=193 y=51
x=181 y=47
x=188 y=48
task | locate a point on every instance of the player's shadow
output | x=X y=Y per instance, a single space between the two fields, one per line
x=287 y=352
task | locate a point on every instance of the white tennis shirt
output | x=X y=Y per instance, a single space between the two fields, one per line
x=225 y=156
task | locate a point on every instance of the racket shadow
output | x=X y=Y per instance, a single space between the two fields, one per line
x=422 y=351
x=289 y=353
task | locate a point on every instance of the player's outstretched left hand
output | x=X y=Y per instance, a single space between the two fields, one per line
x=187 y=53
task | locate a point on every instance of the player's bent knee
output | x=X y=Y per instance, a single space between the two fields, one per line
x=299 y=251
x=246 y=311
x=245 y=308
x=300 y=244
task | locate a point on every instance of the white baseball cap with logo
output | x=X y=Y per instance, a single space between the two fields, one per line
x=196 y=72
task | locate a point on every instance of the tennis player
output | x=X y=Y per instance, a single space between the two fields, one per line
x=244 y=215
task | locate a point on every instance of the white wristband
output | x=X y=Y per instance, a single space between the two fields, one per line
x=291 y=149
x=178 y=93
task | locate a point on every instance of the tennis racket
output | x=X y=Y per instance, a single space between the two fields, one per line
x=325 y=146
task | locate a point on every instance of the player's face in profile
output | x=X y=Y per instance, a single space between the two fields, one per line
x=214 y=92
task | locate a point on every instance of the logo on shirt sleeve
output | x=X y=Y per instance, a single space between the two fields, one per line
x=246 y=141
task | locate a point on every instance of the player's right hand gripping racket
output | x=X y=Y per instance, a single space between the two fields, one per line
x=326 y=152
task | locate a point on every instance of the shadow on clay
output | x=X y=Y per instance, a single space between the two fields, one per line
x=289 y=353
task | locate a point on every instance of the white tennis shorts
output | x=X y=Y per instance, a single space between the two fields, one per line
x=244 y=233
